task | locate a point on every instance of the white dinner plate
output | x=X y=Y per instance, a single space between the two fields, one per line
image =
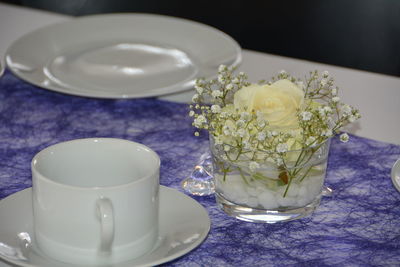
x=396 y=174
x=184 y=224
x=121 y=55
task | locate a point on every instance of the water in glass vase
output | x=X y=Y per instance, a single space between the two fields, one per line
x=270 y=194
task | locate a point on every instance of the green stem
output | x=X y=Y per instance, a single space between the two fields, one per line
x=243 y=176
x=299 y=159
x=305 y=174
x=297 y=170
x=239 y=153
x=288 y=185
x=224 y=178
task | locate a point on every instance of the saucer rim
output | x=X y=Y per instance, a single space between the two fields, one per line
x=162 y=260
x=396 y=171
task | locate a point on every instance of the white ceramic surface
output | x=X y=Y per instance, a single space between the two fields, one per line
x=396 y=175
x=95 y=200
x=184 y=224
x=121 y=55
x=1 y=68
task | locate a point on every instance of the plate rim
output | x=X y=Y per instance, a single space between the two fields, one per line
x=188 y=85
x=176 y=255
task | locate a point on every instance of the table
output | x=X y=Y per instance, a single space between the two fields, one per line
x=376 y=95
x=358 y=226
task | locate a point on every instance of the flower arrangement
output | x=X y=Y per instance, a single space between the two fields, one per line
x=280 y=125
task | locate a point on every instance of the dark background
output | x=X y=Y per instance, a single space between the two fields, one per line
x=360 y=34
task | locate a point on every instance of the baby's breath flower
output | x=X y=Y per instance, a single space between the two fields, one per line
x=223 y=114
x=229 y=87
x=199 y=89
x=199 y=121
x=191 y=113
x=227 y=148
x=216 y=93
x=335 y=99
x=346 y=109
x=282 y=148
x=325 y=74
x=352 y=118
x=196 y=133
x=327 y=109
x=218 y=140
x=235 y=80
x=226 y=130
x=245 y=116
x=324 y=111
x=221 y=79
x=254 y=166
x=306 y=116
x=241 y=132
x=278 y=161
x=215 y=109
x=334 y=91
x=199 y=83
x=240 y=123
x=261 y=136
x=195 y=98
x=246 y=145
x=344 y=137
x=261 y=123
x=222 y=68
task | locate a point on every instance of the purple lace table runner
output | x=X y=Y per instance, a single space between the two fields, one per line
x=358 y=226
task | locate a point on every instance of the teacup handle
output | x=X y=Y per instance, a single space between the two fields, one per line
x=106 y=216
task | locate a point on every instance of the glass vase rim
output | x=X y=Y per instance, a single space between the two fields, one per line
x=325 y=142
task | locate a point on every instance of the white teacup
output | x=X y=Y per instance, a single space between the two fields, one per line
x=95 y=201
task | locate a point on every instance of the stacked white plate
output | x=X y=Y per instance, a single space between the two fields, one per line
x=121 y=55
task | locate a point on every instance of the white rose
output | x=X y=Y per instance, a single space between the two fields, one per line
x=277 y=102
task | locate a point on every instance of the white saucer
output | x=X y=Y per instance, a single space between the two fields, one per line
x=184 y=224
x=121 y=55
x=1 y=68
x=396 y=175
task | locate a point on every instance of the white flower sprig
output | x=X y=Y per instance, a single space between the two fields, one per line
x=321 y=117
x=245 y=135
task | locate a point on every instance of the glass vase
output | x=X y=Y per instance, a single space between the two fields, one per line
x=269 y=193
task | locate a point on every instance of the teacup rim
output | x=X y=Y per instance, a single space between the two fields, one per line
x=111 y=187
